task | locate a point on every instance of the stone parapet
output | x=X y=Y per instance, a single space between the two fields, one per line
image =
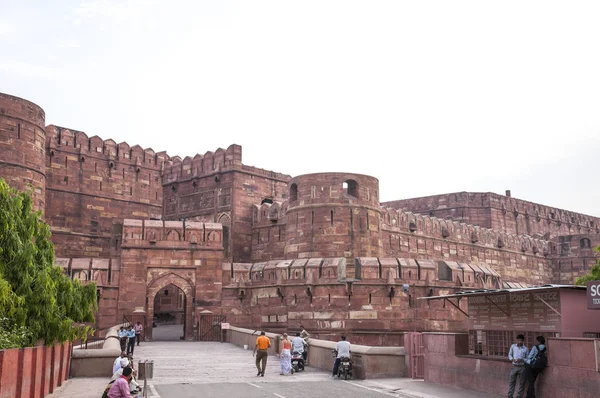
x=97 y=362
x=369 y=362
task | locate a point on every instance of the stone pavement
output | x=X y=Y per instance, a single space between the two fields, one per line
x=167 y=332
x=192 y=369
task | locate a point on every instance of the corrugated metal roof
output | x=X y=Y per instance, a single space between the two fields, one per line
x=483 y=292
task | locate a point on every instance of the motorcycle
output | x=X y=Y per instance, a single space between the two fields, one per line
x=297 y=361
x=345 y=368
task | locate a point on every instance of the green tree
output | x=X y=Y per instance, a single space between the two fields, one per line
x=36 y=298
x=593 y=275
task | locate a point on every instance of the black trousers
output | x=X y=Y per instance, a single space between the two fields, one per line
x=123 y=342
x=137 y=337
x=531 y=376
x=130 y=345
x=336 y=365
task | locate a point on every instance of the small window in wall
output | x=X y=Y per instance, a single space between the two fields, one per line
x=564 y=249
x=585 y=243
x=351 y=188
x=293 y=192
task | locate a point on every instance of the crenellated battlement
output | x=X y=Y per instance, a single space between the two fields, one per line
x=202 y=165
x=394 y=220
x=501 y=212
x=176 y=234
x=78 y=143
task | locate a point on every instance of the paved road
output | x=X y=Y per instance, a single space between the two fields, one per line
x=194 y=369
x=299 y=389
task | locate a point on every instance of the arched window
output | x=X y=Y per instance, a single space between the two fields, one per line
x=293 y=192
x=350 y=188
x=585 y=243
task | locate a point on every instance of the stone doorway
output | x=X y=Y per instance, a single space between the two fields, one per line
x=170 y=308
x=168 y=321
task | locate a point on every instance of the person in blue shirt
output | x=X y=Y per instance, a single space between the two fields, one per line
x=123 y=338
x=517 y=354
x=530 y=372
x=131 y=340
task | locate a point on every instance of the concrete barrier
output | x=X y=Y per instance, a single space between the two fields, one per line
x=97 y=362
x=369 y=362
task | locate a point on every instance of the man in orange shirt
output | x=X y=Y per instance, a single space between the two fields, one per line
x=262 y=345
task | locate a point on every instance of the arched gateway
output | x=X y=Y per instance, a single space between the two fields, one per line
x=184 y=285
x=170 y=268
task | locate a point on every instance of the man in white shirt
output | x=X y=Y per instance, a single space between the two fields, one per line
x=517 y=355
x=343 y=351
x=117 y=363
x=298 y=344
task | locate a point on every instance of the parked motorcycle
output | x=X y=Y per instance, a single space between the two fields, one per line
x=297 y=361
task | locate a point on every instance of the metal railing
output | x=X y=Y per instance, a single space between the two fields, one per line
x=92 y=343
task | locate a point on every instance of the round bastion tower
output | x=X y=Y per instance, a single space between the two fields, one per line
x=333 y=215
x=22 y=146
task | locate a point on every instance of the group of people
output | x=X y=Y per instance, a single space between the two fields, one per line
x=526 y=365
x=123 y=383
x=298 y=344
x=128 y=337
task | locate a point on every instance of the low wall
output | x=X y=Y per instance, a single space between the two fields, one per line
x=369 y=362
x=571 y=368
x=241 y=337
x=97 y=362
x=33 y=371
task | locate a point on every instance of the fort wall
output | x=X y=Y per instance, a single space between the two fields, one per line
x=22 y=147
x=217 y=187
x=92 y=185
x=499 y=212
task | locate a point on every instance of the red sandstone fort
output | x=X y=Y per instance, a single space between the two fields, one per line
x=208 y=234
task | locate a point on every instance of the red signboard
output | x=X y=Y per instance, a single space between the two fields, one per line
x=593 y=295
x=527 y=311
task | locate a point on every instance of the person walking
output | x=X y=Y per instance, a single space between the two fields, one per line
x=123 y=338
x=517 y=354
x=131 y=340
x=138 y=331
x=535 y=363
x=260 y=350
x=285 y=361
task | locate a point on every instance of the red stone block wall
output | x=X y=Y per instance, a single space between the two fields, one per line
x=499 y=212
x=573 y=256
x=33 y=371
x=251 y=186
x=216 y=187
x=92 y=184
x=571 y=368
x=22 y=146
x=325 y=220
x=156 y=254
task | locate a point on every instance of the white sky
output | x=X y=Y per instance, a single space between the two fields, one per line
x=428 y=96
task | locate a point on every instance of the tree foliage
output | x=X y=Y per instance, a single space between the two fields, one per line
x=593 y=275
x=37 y=300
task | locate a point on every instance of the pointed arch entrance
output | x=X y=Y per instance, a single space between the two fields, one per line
x=176 y=284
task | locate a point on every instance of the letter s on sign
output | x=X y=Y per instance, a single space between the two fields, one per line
x=595 y=290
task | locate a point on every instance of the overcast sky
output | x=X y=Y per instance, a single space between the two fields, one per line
x=428 y=96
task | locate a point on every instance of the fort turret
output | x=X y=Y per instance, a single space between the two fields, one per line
x=22 y=153
x=333 y=215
